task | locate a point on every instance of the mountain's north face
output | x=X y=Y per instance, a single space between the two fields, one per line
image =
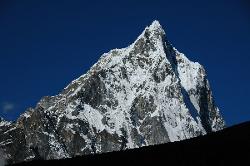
x=145 y=94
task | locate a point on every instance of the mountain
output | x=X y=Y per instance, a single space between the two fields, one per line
x=146 y=94
x=229 y=146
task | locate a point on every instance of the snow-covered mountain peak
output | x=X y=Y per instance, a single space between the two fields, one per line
x=147 y=93
x=156 y=26
x=153 y=34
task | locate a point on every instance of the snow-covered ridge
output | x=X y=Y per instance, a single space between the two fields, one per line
x=4 y=122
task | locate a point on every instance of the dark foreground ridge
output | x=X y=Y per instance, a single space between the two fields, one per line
x=227 y=147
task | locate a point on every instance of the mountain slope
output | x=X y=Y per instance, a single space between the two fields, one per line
x=226 y=147
x=145 y=94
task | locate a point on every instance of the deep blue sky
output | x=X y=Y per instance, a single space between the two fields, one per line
x=46 y=44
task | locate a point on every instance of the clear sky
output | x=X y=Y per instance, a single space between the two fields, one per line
x=45 y=44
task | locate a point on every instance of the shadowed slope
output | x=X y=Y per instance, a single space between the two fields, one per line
x=229 y=146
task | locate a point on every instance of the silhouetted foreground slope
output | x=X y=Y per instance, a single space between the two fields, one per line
x=230 y=146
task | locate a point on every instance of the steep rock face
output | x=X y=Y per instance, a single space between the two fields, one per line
x=145 y=94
